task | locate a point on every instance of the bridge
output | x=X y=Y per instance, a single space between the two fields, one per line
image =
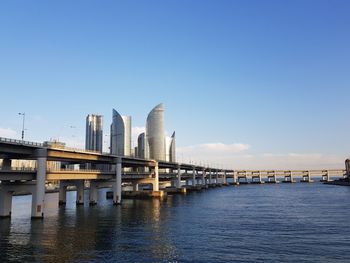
x=114 y=171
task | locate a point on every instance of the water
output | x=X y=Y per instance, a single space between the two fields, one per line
x=253 y=223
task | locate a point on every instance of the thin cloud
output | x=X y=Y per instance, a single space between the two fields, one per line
x=8 y=133
x=215 y=148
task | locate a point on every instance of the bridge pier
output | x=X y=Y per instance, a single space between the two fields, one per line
x=135 y=186
x=93 y=193
x=62 y=195
x=178 y=178
x=5 y=202
x=306 y=177
x=6 y=163
x=288 y=177
x=325 y=176
x=80 y=192
x=38 y=196
x=117 y=186
x=225 y=179
x=242 y=175
x=156 y=178
x=256 y=175
x=204 y=183
x=347 y=168
x=194 y=183
x=271 y=177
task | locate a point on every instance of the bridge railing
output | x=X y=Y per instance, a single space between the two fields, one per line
x=2 y=139
x=80 y=150
x=20 y=169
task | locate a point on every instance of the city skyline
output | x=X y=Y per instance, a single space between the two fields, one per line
x=261 y=85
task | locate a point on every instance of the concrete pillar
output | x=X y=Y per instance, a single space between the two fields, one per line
x=80 y=192
x=178 y=181
x=217 y=177
x=225 y=181
x=135 y=186
x=210 y=179
x=38 y=196
x=347 y=167
x=156 y=178
x=194 y=177
x=93 y=193
x=6 y=164
x=5 y=202
x=203 y=178
x=117 y=187
x=234 y=178
x=62 y=196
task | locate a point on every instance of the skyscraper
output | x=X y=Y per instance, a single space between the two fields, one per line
x=94 y=132
x=155 y=133
x=171 y=151
x=142 y=146
x=121 y=135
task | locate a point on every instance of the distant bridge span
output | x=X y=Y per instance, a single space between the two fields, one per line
x=109 y=172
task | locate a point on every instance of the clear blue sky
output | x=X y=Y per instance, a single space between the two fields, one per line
x=274 y=75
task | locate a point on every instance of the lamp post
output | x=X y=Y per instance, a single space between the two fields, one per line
x=23 y=114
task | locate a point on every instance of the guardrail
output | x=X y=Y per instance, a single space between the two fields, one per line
x=20 y=169
x=2 y=139
x=78 y=171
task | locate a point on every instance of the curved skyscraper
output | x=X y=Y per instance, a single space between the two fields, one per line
x=155 y=133
x=172 y=153
x=121 y=134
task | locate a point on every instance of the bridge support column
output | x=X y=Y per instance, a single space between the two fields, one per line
x=225 y=179
x=80 y=192
x=5 y=202
x=178 y=179
x=203 y=178
x=217 y=177
x=117 y=187
x=135 y=186
x=38 y=197
x=156 y=178
x=62 y=195
x=234 y=178
x=93 y=193
x=210 y=178
x=194 y=177
x=6 y=163
x=347 y=167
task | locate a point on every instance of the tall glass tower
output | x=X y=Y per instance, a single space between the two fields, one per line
x=121 y=135
x=155 y=133
x=94 y=132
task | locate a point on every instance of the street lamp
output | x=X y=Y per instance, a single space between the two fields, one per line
x=24 y=116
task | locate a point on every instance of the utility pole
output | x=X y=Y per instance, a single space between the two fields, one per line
x=23 y=114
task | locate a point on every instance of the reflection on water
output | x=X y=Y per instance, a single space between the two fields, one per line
x=274 y=223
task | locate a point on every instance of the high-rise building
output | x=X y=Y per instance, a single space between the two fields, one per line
x=155 y=133
x=142 y=146
x=94 y=132
x=171 y=151
x=121 y=135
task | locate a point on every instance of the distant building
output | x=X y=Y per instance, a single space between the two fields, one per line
x=172 y=149
x=94 y=132
x=121 y=135
x=155 y=133
x=142 y=146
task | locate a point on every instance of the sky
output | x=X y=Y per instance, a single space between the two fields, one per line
x=246 y=84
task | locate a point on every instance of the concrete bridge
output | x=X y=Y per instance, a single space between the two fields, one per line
x=114 y=171
x=287 y=176
x=16 y=180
